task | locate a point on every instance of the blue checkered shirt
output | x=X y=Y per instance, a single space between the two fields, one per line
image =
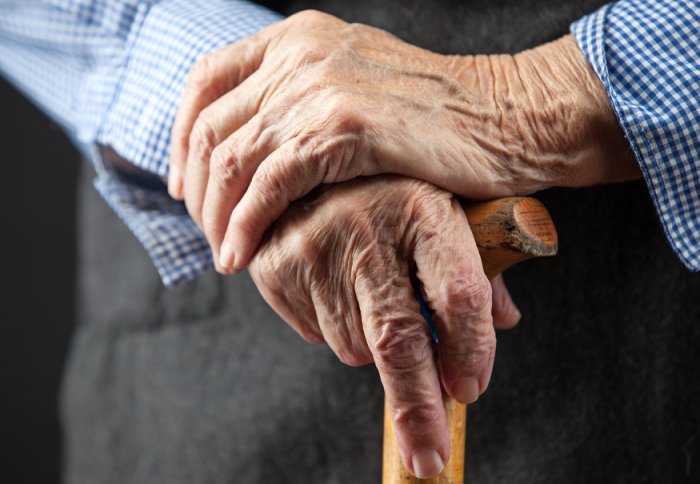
x=647 y=54
x=112 y=74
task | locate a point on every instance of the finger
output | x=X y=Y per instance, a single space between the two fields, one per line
x=203 y=139
x=251 y=134
x=213 y=125
x=398 y=338
x=212 y=76
x=505 y=313
x=286 y=175
x=232 y=166
x=457 y=290
x=340 y=323
x=286 y=293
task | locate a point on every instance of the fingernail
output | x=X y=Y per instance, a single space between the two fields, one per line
x=215 y=260
x=427 y=463
x=175 y=182
x=466 y=390
x=227 y=257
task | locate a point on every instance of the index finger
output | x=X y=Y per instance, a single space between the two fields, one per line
x=398 y=338
x=457 y=290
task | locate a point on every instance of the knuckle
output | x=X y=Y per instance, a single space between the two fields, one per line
x=402 y=346
x=351 y=357
x=311 y=16
x=225 y=167
x=201 y=76
x=302 y=247
x=415 y=417
x=467 y=295
x=342 y=111
x=203 y=138
x=311 y=49
x=336 y=99
x=306 y=248
x=356 y=30
x=269 y=182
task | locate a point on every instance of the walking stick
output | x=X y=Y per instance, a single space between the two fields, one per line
x=507 y=231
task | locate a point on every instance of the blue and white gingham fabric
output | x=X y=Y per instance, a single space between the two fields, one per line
x=111 y=72
x=647 y=54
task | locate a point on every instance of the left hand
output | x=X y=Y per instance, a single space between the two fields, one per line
x=313 y=99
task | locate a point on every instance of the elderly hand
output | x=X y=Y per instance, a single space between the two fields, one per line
x=314 y=100
x=337 y=267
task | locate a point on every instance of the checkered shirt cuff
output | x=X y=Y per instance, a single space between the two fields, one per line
x=647 y=55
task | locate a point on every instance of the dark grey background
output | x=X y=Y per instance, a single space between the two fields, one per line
x=37 y=202
x=599 y=383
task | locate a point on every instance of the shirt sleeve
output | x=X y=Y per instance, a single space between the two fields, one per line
x=647 y=54
x=112 y=74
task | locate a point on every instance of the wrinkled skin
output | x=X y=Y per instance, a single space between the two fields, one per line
x=313 y=99
x=337 y=268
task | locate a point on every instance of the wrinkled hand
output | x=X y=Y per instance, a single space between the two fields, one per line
x=337 y=267
x=313 y=100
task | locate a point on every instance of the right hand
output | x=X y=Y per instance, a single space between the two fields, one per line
x=337 y=267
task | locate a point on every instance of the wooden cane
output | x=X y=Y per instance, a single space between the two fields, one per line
x=507 y=231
